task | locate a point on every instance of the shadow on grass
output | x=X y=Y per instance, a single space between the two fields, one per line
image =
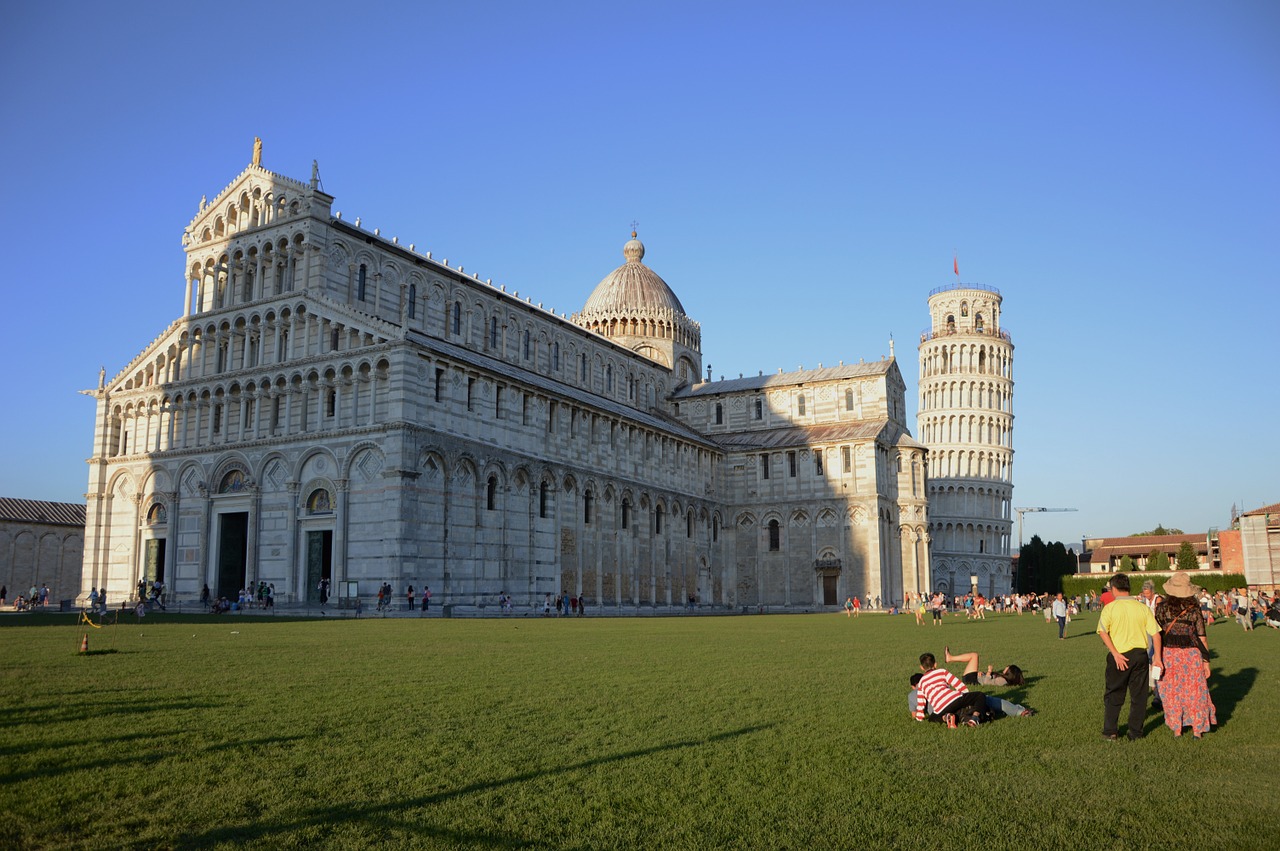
x=1013 y=694
x=97 y=652
x=1227 y=690
x=388 y=816
x=112 y=762
x=60 y=713
x=47 y=747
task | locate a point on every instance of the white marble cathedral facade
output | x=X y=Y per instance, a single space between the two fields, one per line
x=332 y=404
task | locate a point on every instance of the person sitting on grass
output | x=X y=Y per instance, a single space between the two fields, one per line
x=995 y=704
x=939 y=693
x=1273 y=613
x=1010 y=676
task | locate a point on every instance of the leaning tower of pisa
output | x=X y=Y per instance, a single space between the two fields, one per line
x=966 y=420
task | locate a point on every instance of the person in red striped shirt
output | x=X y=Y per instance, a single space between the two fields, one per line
x=940 y=693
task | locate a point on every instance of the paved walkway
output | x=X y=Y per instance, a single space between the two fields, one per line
x=311 y=610
x=455 y=610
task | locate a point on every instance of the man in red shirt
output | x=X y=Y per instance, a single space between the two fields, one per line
x=941 y=693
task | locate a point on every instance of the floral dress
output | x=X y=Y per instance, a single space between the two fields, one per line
x=1184 y=691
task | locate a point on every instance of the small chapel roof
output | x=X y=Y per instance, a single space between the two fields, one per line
x=776 y=438
x=39 y=511
x=786 y=379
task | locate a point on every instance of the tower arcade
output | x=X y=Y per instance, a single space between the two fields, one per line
x=966 y=420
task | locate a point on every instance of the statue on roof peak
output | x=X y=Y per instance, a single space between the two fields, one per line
x=257 y=151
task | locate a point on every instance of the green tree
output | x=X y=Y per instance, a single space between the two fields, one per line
x=1159 y=530
x=1058 y=564
x=1031 y=565
x=1126 y=564
x=1187 y=559
x=1157 y=560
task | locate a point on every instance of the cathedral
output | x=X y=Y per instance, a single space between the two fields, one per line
x=332 y=405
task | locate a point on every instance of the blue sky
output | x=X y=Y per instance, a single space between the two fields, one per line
x=802 y=174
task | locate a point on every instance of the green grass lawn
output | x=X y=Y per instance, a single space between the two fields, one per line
x=777 y=731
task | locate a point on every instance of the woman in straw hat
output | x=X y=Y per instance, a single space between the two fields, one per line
x=1184 y=689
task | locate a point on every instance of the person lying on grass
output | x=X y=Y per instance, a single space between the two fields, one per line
x=940 y=694
x=1010 y=676
x=995 y=704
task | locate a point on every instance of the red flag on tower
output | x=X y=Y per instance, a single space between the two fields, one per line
x=955 y=265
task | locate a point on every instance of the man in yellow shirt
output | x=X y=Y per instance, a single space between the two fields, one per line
x=1124 y=626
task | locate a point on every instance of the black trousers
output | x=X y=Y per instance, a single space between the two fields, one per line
x=1134 y=681
x=974 y=700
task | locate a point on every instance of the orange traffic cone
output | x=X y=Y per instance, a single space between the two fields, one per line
x=84 y=643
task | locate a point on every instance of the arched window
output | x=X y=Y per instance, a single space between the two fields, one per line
x=626 y=513
x=848 y=399
x=715 y=528
x=582 y=368
x=542 y=500
x=587 y=499
x=319 y=502
x=719 y=414
x=491 y=493
x=157 y=515
x=657 y=520
x=977 y=322
x=413 y=301
x=457 y=318
x=525 y=345
x=964 y=308
x=951 y=323
x=775 y=536
x=608 y=379
x=800 y=405
x=688 y=525
x=493 y=332
x=555 y=356
x=361 y=278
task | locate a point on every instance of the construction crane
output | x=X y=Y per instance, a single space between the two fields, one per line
x=1022 y=511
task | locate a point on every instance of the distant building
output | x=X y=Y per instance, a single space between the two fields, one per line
x=1260 y=543
x=41 y=543
x=1225 y=550
x=1105 y=553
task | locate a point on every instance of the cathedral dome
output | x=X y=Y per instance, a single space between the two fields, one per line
x=632 y=286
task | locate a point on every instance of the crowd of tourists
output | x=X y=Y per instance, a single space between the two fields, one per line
x=563 y=604
x=1156 y=642
x=37 y=597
